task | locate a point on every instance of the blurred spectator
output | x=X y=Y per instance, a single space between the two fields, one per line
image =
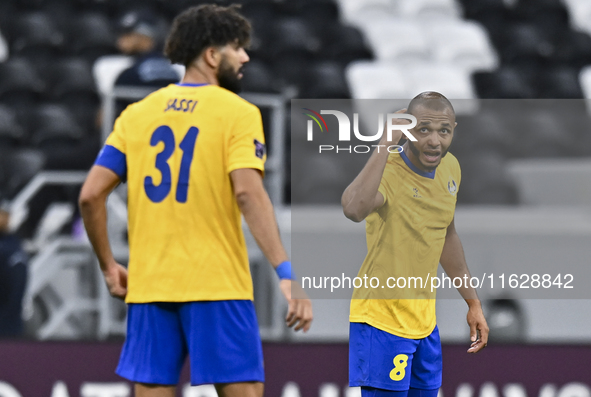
x=13 y=278
x=139 y=37
x=3 y=49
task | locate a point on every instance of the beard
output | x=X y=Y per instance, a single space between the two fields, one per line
x=417 y=154
x=228 y=78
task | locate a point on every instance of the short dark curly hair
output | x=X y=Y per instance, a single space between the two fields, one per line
x=198 y=28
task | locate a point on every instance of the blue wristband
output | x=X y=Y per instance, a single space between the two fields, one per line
x=284 y=271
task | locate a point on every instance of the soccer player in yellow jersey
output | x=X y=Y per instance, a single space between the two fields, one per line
x=408 y=200
x=193 y=157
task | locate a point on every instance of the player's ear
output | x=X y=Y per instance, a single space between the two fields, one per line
x=212 y=56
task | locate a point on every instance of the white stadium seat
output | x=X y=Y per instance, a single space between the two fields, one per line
x=441 y=9
x=585 y=80
x=580 y=14
x=106 y=70
x=376 y=80
x=363 y=12
x=3 y=49
x=462 y=44
x=398 y=40
x=450 y=81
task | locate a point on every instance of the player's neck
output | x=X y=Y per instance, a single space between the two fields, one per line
x=199 y=74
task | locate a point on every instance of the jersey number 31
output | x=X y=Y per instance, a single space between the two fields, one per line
x=164 y=134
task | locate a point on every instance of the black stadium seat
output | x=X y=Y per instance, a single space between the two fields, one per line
x=293 y=46
x=71 y=83
x=560 y=83
x=526 y=44
x=91 y=36
x=71 y=76
x=11 y=132
x=318 y=14
x=62 y=140
x=572 y=48
x=506 y=83
x=19 y=167
x=293 y=35
x=54 y=124
x=325 y=80
x=20 y=85
x=344 y=44
x=35 y=36
x=260 y=14
x=551 y=15
x=258 y=78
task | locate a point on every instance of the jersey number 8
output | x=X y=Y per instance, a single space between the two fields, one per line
x=164 y=134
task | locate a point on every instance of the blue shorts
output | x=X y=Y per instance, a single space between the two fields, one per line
x=221 y=338
x=385 y=361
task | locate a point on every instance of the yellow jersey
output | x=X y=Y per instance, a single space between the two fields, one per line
x=177 y=148
x=405 y=238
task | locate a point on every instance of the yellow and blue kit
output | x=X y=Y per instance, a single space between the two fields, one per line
x=188 y=264
x=405 y=238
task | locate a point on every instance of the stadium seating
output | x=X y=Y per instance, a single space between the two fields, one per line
x=505 y=83
x=326 y=80
x=258 y=77
x=376 y=80
x=72 y=84
x=580 y=13
x=398 y=40
x=454 y=82
x=561 y=82
x=34 y=35
x=12 y=134
x=585 y=79
x=106 y=69
x=20 y=84
x=91 y=36
x=425 y=9
x=54 y=125
x=344 y=44
x=17 y=167
x=361 y=12
x=3 y=48
x=57 y=134
x=464 y=45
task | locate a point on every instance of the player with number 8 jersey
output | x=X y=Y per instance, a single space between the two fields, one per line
x=164 y=148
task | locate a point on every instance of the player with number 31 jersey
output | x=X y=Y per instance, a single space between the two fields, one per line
x=182 y=132
x=193 y=156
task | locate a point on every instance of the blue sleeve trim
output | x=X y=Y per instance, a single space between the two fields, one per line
x=284 y=271
x=113 y=159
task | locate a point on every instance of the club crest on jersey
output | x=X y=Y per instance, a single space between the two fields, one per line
x=452 y=187
x=259 y=149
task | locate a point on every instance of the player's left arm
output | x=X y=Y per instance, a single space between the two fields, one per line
x=454 y=263
x=256 y=206
x=99 y=183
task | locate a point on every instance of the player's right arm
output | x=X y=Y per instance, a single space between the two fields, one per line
x=256 y=206
x=99 y=183
x=362 y=197
x=109 y=170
